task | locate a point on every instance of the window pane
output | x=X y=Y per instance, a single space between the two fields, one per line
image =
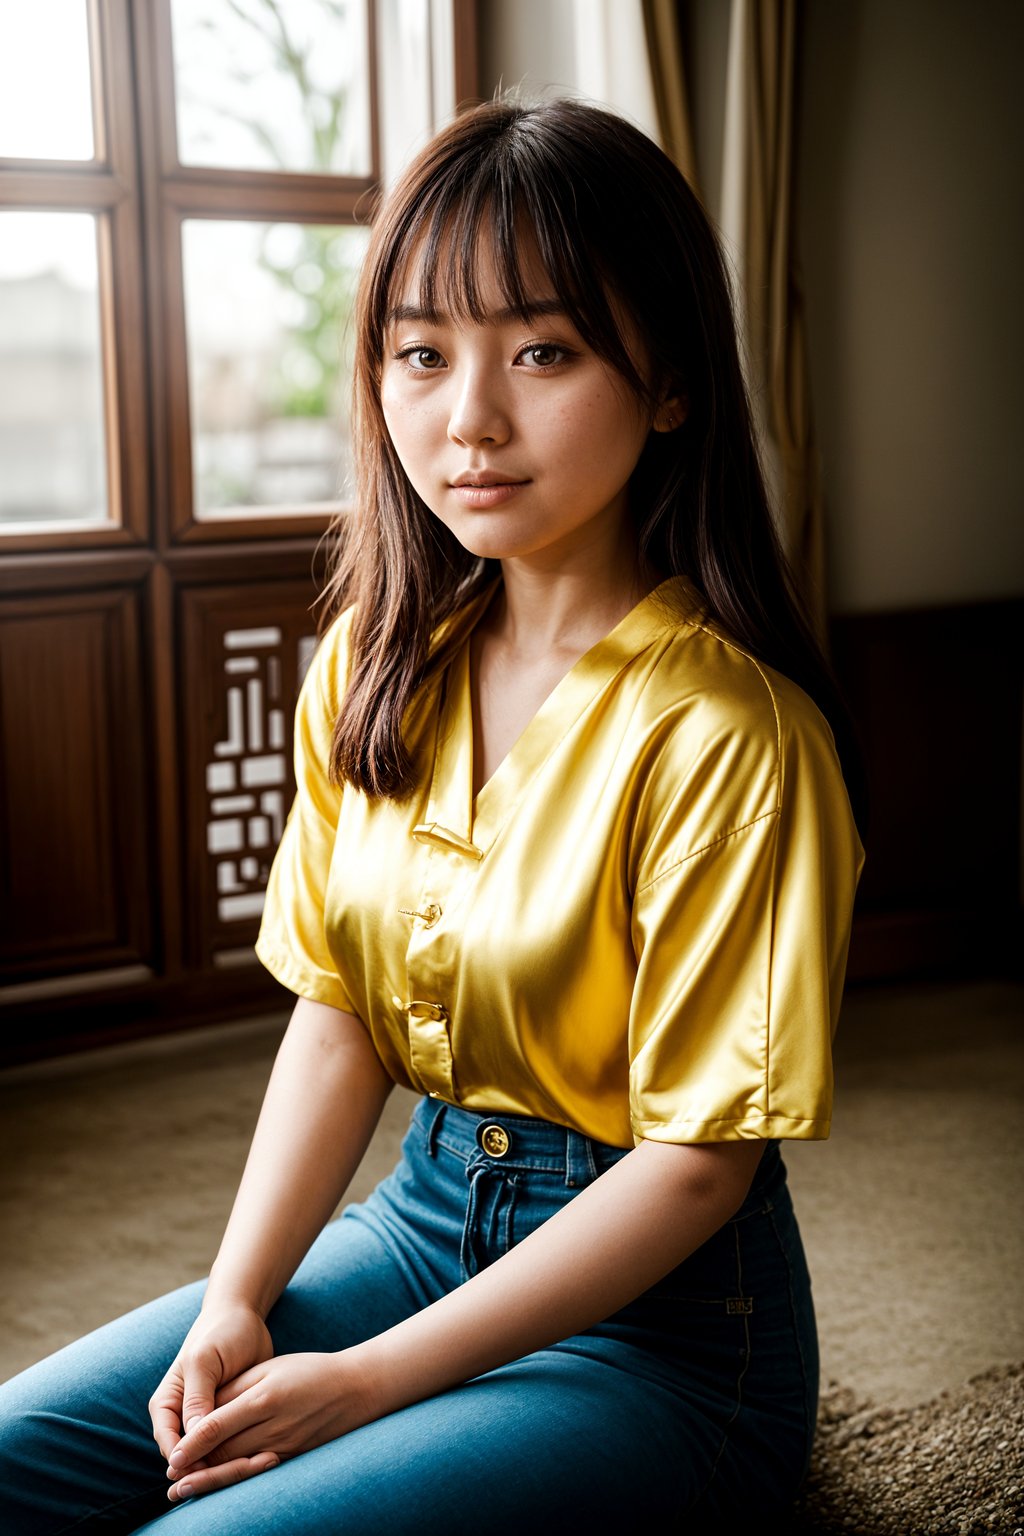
x=45 y=96
x=51 y=370
x=271 y=85
x=266 y=316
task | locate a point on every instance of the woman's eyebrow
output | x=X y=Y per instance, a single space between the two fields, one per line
x=532 y=309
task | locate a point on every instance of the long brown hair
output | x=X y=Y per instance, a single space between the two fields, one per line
x=609 y=215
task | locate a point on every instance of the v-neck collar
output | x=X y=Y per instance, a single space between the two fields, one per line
x=453 y=820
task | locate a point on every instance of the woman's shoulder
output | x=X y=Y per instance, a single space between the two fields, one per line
x=730 y=741
x=706 y=687
x=329 y=665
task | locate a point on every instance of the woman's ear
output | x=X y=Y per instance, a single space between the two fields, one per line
x=671 y=413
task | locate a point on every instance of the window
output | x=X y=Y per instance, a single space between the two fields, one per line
x=220 y=158
x=185 y=191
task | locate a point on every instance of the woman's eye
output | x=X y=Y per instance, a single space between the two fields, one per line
x=422 y=359
x=543 y=355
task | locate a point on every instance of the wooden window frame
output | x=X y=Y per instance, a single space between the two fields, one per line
x=141 y=194
x=107 y=187
x=179 y=192
x=168 y=973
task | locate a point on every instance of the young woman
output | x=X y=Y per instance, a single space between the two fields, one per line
x=572 y=856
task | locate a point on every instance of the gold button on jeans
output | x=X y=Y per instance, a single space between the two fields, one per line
x=495 y=1140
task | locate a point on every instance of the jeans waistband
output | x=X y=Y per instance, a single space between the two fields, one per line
x=521 y=1143
x=514 y=1141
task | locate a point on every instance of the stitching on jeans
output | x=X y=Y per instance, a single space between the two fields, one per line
x=467 y=1250
x=739 y=1384
x=433 y=1129
x=591 y=1164
x=464 y=1154
x=511 y=1195
x=760 y=1210
x=808 y=1427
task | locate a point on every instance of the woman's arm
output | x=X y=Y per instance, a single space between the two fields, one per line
x=321 y=1107
x=324 y=1099
x=617 y=1237
x=620 y=1235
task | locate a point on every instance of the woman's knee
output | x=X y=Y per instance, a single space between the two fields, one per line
x=549 y=1441
x=75 y=1432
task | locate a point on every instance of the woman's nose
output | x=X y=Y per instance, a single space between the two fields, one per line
x=478 y=413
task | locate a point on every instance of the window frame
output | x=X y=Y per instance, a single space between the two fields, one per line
x=181 y=192
x=107 y=187
x=141 y=194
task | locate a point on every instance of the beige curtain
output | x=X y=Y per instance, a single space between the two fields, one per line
x=668 y=78
x=757 y=223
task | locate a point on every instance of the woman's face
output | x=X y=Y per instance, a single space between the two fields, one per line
x=518 y=437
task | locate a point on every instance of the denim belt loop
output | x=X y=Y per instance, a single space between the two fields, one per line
x=580 y=1167
x=436 y=1109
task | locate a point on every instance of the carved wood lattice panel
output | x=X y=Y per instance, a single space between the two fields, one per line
x=246 y=660
x=246 y=777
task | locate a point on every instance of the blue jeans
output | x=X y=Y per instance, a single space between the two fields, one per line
x=693 y=1405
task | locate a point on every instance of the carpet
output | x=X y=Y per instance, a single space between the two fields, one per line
x=120 y=1165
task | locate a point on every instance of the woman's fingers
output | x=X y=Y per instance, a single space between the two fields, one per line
x=183 y=1398
x=227 y=1392
x=285 y=1406
x=202 y=1376
x=165 y=1413
x=166 y=1432
x=208 y=1479
x=221 y=1348
x=206 y=1437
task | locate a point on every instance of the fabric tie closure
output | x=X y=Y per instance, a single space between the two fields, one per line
x=418 y=1010
x=432 y=833
x=430 y=1050
x=487 y=1232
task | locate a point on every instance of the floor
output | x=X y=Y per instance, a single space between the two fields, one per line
x=119 y=1167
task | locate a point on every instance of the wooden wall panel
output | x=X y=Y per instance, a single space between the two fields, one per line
x=243 y=652
x=937 y=694
x=73 y=865
x=125 y=909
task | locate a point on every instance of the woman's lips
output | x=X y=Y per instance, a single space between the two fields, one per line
x=483 y=496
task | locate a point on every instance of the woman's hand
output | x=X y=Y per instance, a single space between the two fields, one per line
x=221 y=1344
x=622 y=1233
x=275 y=1410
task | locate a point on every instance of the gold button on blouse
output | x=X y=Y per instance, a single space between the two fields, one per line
x=419 y=1011
x=428 y=916
x=646 y=906
x=495 y=1140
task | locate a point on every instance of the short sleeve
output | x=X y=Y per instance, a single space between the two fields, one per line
x=741 y=946
x=292 y=943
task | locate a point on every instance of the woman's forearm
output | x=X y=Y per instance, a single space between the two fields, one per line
x=323 y=1101
x=616 y=1238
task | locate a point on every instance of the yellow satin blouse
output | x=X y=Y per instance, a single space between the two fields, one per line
x=638 y=930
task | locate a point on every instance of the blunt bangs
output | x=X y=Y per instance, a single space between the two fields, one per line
x=506 y=189
x=568 y=196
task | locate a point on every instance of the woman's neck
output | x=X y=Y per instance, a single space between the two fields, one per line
x=538 y=613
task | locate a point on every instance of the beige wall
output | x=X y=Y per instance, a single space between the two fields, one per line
x=913 y=253
x=526 y=42
x=911 y=234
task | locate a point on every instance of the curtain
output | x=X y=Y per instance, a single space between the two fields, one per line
x=611 y=59
x=668 y=78
x=757 y=225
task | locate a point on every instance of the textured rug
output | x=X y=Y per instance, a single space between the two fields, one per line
x=953 y=1466
x=119 y=1169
